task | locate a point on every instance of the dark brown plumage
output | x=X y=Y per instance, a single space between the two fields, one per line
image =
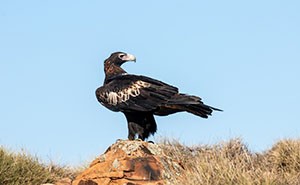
x=140 y=97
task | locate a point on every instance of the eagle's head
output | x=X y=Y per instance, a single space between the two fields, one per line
x=112 y=65
x=119 y=58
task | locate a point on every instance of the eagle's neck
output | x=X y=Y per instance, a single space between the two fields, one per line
x=112 y=70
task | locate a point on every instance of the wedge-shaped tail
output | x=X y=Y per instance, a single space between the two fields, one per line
x=188 y=103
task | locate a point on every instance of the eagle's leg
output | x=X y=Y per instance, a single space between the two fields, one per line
x=142 y=137
x=133 y=129
x=141 y=124
x=131 y=132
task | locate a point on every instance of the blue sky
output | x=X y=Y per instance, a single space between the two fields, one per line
x=239 y=56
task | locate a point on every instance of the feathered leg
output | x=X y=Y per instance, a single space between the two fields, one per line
x=140 y=123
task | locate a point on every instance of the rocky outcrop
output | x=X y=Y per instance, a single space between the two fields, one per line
x=130 y=163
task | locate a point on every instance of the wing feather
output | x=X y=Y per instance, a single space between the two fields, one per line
x=129 y=93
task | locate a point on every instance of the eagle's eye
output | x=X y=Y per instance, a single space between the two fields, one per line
x=121 y=56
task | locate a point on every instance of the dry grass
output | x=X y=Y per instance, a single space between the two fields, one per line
x=232 y=163
x=23 y=169
x=225 y=163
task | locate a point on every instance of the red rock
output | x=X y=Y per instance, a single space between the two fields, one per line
x=128 y=163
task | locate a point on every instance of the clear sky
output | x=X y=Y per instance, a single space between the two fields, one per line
x=240 y=56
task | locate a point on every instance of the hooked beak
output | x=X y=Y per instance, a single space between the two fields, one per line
x=129 y=57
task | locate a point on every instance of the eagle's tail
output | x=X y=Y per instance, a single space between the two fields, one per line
x=188 y=103
x=200 y=109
